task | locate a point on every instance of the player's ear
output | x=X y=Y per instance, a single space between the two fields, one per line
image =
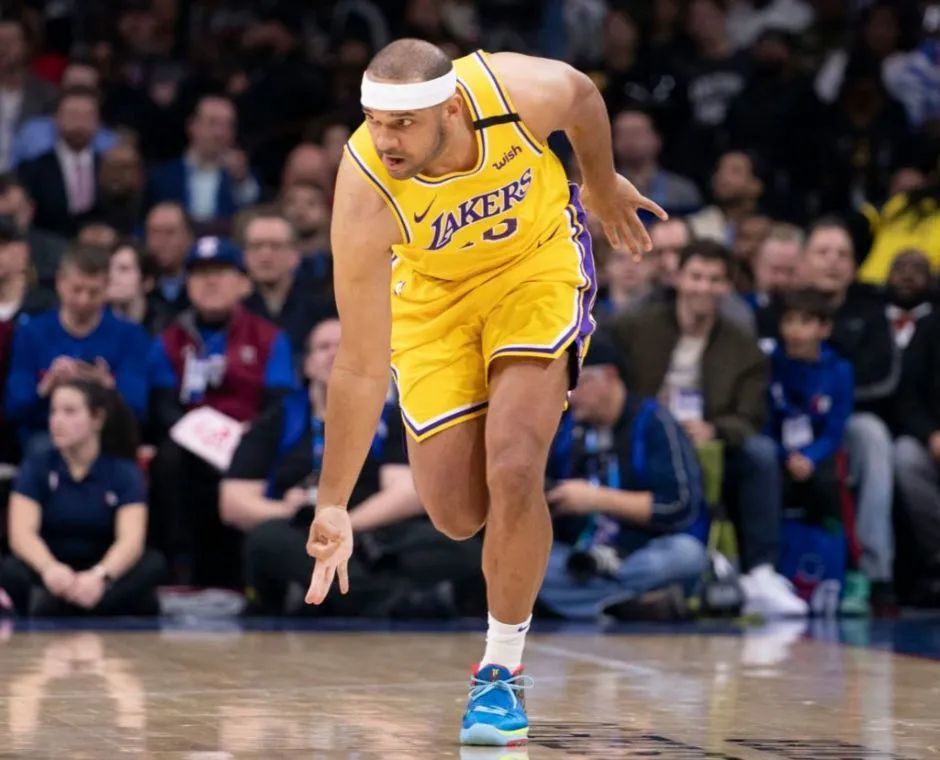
x=453 y=106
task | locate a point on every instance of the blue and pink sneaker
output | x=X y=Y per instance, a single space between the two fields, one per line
x=496 y=708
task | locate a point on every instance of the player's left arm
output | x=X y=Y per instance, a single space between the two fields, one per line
x=552 y=96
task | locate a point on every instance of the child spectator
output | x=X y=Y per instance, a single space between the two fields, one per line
x=810 y=401
x=78 y=517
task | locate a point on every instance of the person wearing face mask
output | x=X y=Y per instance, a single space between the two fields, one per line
x=78 y=517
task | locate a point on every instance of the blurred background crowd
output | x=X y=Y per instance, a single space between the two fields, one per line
x=772 y=367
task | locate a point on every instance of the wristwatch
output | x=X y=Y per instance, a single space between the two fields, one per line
x=102 y=572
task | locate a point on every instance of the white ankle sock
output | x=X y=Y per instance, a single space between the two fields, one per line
x=505 y=642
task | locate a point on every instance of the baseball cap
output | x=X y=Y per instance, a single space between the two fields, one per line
x=214 y=250
x=10 y=231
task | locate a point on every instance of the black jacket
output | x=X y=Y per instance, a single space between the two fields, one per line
x=46 y=183
x=918 y=404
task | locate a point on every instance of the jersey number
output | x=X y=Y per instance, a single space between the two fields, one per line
x=501 y=230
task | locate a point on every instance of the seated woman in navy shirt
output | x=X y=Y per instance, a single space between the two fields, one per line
x=78 y=518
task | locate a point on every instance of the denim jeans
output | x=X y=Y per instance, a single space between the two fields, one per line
x=665 y=560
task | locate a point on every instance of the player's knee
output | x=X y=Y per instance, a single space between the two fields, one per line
x=513 y=476
x=458 y=526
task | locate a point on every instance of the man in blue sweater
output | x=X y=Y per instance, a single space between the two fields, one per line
x=80 y=339
x=810 y=401
x=629 y=507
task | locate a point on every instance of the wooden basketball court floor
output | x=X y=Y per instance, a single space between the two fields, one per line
x=236 y=691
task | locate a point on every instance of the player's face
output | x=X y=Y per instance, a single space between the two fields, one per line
x=407 y=141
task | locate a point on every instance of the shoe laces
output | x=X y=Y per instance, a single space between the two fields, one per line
x=480 y=688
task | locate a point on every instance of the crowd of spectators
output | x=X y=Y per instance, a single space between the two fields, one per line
x=166 y=178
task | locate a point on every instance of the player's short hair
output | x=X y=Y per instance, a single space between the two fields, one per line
x=708 y=250
x=410 y=60
x=90 y=260
x=808 y=301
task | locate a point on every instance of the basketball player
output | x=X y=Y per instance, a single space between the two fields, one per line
x=485 y=303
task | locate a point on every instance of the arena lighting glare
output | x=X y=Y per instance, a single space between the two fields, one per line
x=409 y=96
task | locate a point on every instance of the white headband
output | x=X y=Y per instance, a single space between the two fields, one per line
x=413 y=96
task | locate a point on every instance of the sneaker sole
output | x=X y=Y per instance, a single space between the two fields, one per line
x=485 y=735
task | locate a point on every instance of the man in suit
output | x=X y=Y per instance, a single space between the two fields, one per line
x=63 y=181
x=22 y=94
x=211 y=180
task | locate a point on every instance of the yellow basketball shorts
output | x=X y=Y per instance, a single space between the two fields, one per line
x=445 y=334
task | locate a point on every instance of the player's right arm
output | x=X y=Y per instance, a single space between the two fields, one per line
x=362 y=233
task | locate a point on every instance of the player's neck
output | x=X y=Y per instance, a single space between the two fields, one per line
x=458 y=154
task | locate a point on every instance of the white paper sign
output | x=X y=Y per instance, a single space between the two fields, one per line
x=208 y=434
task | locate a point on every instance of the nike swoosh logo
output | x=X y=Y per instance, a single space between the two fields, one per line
x=420 y=217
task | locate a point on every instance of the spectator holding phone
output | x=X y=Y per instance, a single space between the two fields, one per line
x=81 y=340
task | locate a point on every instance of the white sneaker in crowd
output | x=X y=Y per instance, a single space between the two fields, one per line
x=770 y=595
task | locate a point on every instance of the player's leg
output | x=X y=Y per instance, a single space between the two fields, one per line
x=449 y=470
x=527 y=397
x=526 y=400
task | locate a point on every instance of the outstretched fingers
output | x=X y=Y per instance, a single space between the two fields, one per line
x=323 y=574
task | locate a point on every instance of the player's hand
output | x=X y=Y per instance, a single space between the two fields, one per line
x=331 y=545
x=617 y=208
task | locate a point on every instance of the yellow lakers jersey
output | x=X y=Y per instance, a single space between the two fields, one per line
x=466 y=223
